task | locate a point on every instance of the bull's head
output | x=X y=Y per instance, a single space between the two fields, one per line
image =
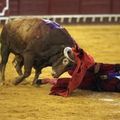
x=64 y=63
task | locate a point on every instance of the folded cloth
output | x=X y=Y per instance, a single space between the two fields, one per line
x=65 y=86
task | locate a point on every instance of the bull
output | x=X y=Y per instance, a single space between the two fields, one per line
x=60 y=67
x=37 y=43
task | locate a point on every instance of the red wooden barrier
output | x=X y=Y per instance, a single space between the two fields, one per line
x=2 y=5
x=95 y=6
x=115 y=6
x=64 y=7
x=14 y=7
x=33 y=7
x=46 y=7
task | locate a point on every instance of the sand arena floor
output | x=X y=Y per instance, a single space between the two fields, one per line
x=26 y=102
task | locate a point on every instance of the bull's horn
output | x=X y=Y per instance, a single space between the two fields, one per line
x=66 y=51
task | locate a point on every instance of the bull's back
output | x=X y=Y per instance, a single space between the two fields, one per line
x=22 y=31
x=27 y=28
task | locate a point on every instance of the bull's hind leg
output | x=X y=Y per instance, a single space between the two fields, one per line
x=4 y=58
x=18 y=64
x=28 y=63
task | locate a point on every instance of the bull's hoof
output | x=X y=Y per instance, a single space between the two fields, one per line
x=37 y=83
x=17 y=81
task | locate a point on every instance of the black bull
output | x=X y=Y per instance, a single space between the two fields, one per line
x=39 y=43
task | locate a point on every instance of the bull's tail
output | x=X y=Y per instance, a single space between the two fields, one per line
x=0 y=37
x=4 y=54
x=0 y=43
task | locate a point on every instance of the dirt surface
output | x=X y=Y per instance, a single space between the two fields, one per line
x=26 y=102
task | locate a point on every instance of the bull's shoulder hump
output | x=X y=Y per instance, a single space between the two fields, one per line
x=24 y=21
x=22 y=24
x=27 y=28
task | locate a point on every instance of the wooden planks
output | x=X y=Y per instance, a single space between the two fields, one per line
x=58 y=7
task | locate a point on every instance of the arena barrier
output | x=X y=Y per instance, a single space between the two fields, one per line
x=5 y=8
x=91 y=18
x=76 y=18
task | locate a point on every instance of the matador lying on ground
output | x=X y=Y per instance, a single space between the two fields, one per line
x=87 y=75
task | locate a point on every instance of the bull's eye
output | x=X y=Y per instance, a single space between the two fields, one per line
x=65 y=61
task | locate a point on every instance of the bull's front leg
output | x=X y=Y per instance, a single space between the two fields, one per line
x=28 y=63
x=37 y=73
